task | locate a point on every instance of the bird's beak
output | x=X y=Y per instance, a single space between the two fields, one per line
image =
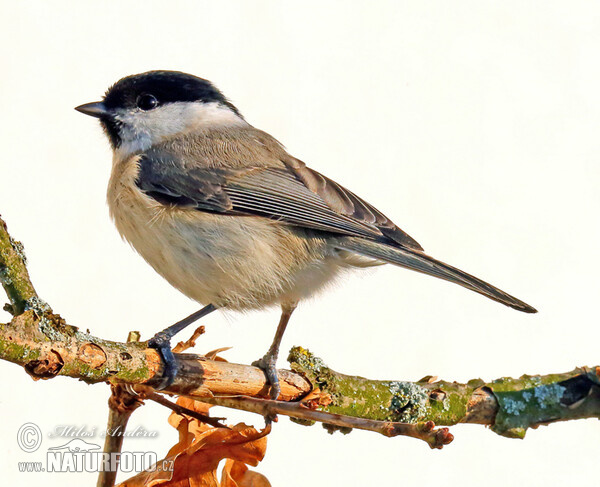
x=95 y=109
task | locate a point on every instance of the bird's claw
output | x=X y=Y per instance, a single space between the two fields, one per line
x=162 y=343
x=267 y=364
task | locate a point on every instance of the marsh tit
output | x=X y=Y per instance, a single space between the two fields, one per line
x=221 y=210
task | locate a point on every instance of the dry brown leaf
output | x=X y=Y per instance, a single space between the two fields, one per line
x=189 y=429
x=201 y=447
x=237 y=474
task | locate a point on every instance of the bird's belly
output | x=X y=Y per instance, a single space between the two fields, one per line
x=229 y=261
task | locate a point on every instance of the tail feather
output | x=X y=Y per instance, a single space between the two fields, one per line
x=421 y=262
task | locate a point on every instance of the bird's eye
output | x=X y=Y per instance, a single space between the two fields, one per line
x=146 y=102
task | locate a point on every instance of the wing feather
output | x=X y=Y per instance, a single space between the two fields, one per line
x=291 y=193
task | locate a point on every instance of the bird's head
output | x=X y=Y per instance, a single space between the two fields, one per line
x=144 y=109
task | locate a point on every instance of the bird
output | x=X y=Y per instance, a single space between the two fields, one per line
x=227 y=216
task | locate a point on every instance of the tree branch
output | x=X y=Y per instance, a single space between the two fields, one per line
x=121 y=406
x=46 y=346
x=509 y=406
x=13 y=273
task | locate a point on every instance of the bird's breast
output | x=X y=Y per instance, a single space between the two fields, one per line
x=231 y=261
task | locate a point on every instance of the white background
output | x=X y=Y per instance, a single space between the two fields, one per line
x=474 y=125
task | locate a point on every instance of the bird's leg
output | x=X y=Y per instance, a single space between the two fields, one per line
x=269 y=360
x=162 y=342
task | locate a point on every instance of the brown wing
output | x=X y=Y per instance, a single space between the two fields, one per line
x=293 y=194
x=347 y=203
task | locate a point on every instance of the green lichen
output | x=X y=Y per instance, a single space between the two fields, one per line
x=136 y=375
x=548 y=396
x=527 y=401
x=452 y=407
x=515 y=407
x=38 y=305
x=410 y=402
x=443 y=402
x=17 y=353
x=13 y=273
x=49 y=331
x=5 y=276
x=351 y=396
x=19 y=249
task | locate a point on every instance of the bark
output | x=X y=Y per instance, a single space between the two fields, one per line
x=41 y=342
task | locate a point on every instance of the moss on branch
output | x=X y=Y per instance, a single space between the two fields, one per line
x=510 y=406
x=13 y=272
x=530 y=401
x=46 y=346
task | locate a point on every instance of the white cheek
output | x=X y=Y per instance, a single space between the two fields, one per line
x=140 y=130
x=203 y=115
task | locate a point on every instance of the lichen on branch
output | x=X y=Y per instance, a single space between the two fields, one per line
x=13 y=272
x=509 y=406
x=42 y=343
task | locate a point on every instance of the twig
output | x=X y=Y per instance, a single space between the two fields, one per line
x=190 y=342
x=121 y=406
x=435 y=438
x=148 y=393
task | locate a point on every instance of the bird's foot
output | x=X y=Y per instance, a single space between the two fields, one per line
x=162 y=343
x=267 y=364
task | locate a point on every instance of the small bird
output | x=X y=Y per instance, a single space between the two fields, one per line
x=228 y=217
